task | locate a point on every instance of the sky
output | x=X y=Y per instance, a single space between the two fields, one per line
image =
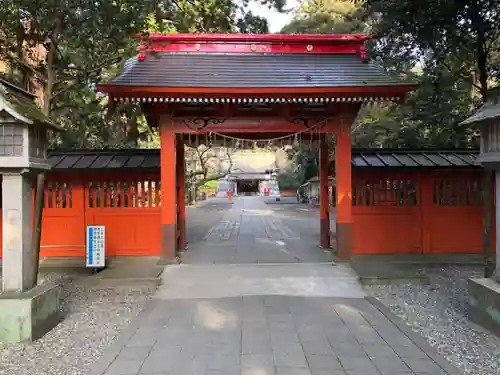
x=276 y=20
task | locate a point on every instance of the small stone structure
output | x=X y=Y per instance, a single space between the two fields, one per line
x=485 y=292
x=27 y=311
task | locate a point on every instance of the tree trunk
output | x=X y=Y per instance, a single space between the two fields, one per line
x=40 y=184
x=37 y=230
x=478 y=20
x=482 y=62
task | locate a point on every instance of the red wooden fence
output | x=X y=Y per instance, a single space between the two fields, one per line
x=417 y=212
x=128 y=205
x=63 y=224
x=394 y=212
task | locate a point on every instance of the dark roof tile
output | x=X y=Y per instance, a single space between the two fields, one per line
x=406 y=160
x=377 y=158
x=373 y=160
x=118 y=161
x=101 y=162
x=151 y=161
x=383 y=158
x=438 y=160
x=135 y=161
x=358 y=161
x=469 y=158
x=53 y=160
x=219 y=70
x=421 y=160
x=85 y=161
x=454 y=159
x=68 y=161
x=390 y=160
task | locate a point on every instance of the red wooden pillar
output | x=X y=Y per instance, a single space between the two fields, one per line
x=344 y=191
x=168 y=193
x=324 y=204
x=181 y=206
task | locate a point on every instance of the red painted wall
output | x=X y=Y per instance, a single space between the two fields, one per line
x=393 y=212
x=420 y=212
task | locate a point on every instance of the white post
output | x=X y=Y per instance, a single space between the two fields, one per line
x=17 y=267
x=497 y=222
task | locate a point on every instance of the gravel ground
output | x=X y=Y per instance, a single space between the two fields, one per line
x=438 y=312
x=93 y=318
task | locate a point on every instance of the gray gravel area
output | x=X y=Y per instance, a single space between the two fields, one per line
x=93 y=318
x=438 y=312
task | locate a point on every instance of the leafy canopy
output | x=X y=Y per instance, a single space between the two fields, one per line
x=59 y=50
x=451 y=49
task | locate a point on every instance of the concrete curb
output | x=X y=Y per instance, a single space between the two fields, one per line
x=484 y=303
x=415 y=337
x=375 y=280
x=110 y=353
x=423 y=260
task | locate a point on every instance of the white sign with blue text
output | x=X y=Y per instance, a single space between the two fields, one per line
x=96 y=246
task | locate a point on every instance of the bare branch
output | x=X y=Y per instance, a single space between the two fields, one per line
x=80 y=78
x=451 y=70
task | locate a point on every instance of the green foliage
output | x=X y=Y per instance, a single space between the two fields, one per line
x=210 y=185
x=463 y=31
x=57 y=45
x=457 y=46
x=451 y=49
x=287 y=180
x=430 y=118
x=210 y=16
x=60 y=49
x=328 y=17
x=302 y=164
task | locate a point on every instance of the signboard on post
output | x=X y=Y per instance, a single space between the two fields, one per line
x=96 y=246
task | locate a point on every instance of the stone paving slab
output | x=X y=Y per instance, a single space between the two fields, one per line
x=268 y=335
x=249 y=231
x=218 y=281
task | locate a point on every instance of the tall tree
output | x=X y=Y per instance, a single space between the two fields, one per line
x=59 y=45
x=60 y=49
x=328 y=17
x=457 y=44
x=212 y=16
x=430 y=118
x=466 y=31
x=422 y=45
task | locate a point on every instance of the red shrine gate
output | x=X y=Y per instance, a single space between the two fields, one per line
x=252 y=87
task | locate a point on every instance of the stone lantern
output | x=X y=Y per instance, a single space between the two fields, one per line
x=485 y=292
x=488 y=119
x=23 y=131
x=23 y=154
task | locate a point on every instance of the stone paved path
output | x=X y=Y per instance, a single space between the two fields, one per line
x=282 y=317
x=251 y=231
